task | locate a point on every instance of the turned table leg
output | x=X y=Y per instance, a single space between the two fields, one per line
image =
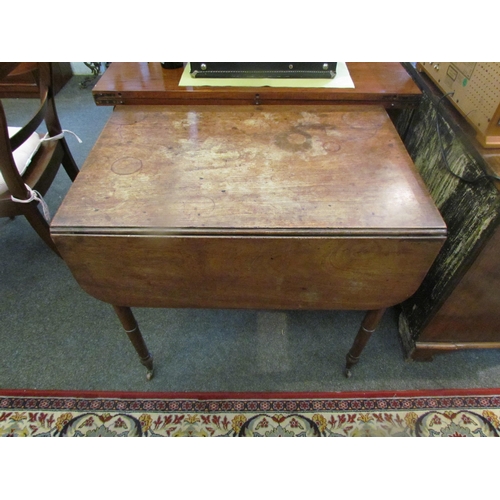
x=368 y=326
x=131 y=327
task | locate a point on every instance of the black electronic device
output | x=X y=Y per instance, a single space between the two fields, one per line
x=263 y=70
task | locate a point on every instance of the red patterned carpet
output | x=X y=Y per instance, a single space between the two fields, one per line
x=451 y=413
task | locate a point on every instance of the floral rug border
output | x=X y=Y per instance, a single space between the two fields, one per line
x=460 y=412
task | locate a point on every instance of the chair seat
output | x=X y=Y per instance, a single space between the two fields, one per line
x=22 y=155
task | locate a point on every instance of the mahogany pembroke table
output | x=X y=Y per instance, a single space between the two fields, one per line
x=277 y=207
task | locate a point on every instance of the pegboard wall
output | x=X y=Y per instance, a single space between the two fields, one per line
x=474 y=89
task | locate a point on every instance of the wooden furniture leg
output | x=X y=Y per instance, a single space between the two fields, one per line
x=368 y=326
x=69 y=162
x=40 y=225
x=131 y=327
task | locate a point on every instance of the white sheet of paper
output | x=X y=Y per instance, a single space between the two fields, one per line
x=342 y=80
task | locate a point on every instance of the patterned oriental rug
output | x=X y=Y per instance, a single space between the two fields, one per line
x=453 y=413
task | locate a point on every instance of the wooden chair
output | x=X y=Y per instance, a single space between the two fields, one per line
x=29 y=161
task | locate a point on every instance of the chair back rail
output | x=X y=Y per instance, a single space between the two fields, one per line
x=44 y=164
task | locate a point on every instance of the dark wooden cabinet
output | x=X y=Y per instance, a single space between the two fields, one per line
x=23 y=84
x=458 y=304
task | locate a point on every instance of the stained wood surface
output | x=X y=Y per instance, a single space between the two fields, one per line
x=250 y=169
x=385 y=83
x=249 y=207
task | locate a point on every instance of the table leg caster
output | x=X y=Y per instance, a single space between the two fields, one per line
x=350 y=362
x=148 y=363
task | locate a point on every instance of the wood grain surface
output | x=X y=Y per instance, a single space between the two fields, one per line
x=133 y=83
x=249 y=169
x=274 y=207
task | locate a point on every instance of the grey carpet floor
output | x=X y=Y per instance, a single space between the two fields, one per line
x=54 y=336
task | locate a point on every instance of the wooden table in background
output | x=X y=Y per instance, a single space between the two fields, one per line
x=261 y=207
x=382 y=83
x=22 y=83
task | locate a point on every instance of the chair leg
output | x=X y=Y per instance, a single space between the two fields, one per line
x=131 y=327
x=368 y=326
x=68 y=161
x=40 y=225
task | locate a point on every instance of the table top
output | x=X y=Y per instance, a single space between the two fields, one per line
x=218 y=170
x=133 y=83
